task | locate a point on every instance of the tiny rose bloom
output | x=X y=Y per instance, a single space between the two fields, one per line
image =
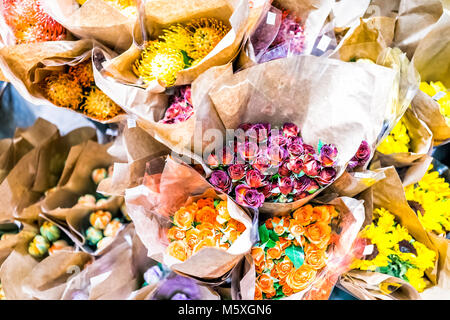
x=302 y=183
x=176 y=233
x=304 y=214
x=226 y=156
x=284 y=267
x=309 y=149
x=286 y=185
x=212 y=161
x=311 y=168
x=283 y=170
x=295 y=149
x=313 y=187
x=247 y=150
x=295 y=165
x=258 y=293
x=258 y=255
x=277 y=154
x=326 y=176
x=221 y=181
x=249 y=197
x=296 y=228
x=178 y=250
x=287 y=291
x=328 y=155
x=236 y=171
x=275 y=252
x=278 y=140
x=363 y=154
x=270 y=264
x=254 y=178
x=318 y=232
x=266 y=190
x=290 y=130
x=265 y=282
x=279 y=229
x=299 y=279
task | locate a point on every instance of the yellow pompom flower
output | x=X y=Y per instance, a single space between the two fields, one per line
x=397 y=141
x=442 y=96
x=63 y=91
x=82 y=73
x=205 y=35
x=177 y=37
x=159 y=62
x=430 y=197
x=99 y=105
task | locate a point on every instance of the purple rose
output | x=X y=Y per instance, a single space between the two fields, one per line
x=283 y=170
x=295 y=149
x=236 y=171
x=286 y=185
x=249 y=197
x=326 y=176
x=309 y=149
x=328 y=155
x=247 y=150
x=221 y=181
x=254 y=178
x=363 y=153
x=278 y=140
x=302 y=184
x=290 y=130
x=295 y=165
x=259 y=131
x=311 y=166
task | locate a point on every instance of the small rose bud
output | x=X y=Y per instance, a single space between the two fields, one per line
x=286 y=185
x=98 y=175
x=50 y=231
x=93 y=235
x=100 y=219
x=290 y=130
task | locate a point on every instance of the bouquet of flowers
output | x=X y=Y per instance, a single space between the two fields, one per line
x=30 y=23
x=440 y=94
x=272 y=165
x=429 y=198
x=361 y=158
x=397 y=141
x=49 y=241
x=394 y=251
x=292 y=251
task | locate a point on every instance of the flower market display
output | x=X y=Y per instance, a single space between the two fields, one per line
x=224 y=150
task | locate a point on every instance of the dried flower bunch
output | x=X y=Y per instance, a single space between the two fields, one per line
x=76 y=90
x=30 y=23
x=177 y=48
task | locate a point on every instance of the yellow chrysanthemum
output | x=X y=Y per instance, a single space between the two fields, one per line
x=177 y=37
x=205 y=35
x=432 y=193
x=397 y=141
x=416 y=279
x=63 y=91
x=440 y=92
x=100 y=106
x=159 y=62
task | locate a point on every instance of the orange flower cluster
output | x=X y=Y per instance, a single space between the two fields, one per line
x=76 y=90
x=292 y=251
x=30 y=23
x=205 y=223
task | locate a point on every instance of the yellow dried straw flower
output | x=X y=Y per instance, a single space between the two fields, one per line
x=63 y=91
x=99 y=105
x=82 y=73
x=206 y=33
x=160 y=62
x=177 y=37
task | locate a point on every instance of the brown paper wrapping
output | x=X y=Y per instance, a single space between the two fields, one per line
x=350 y=184
x=10 y=241
x=414 y=21
x=138 y=148
x=365 y=286
x=351 y=216
x=267 y=93
x=95 y=19
x=151 y=205
x=420 y=145
x=159 y=14
x=36 y=172
x=431 y=60
x=26 y=65
x=313 y=14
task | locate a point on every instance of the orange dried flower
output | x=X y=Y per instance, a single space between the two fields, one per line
x=61 y=90
x=98 y=105
x=83 y=73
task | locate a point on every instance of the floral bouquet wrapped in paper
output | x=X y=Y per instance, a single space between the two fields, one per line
x=321 y=153
x=59 y=73
x=27 y=21
x=186 y=225
x=301 y=255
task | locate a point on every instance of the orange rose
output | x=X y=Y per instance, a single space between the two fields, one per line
x=315 y=257
x=304 y=214
x=234 y=234
x=206 y=242
x=205 y=232
x=268 y=224
x=287 y=291
x=322 y=213
x=275 y=252
x=273 y=273
x=205 y=202
x=206 y=214
x=258 y=293
x=176 y=233
x=301 y=243
x=237 y=225
x=284 y=267
x=192 y=237
x=178 y=250
x=299 y=279
x=269 y=264
x=183 y=218
x=265 y=283
x=318 y=233
x=296 y=228
x=285 y=243
x=271 y=294
x=279 y=229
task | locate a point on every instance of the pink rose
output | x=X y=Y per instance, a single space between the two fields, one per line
x=326 y=176
x=290 y=130
x=254 y=178
x=328 y=155
x=311 y=167
x=286 y=185
x=301 y=184
x=236 y=171
x=249 y=197
x=221 y=181
x=295 y=165
x=283 y=170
